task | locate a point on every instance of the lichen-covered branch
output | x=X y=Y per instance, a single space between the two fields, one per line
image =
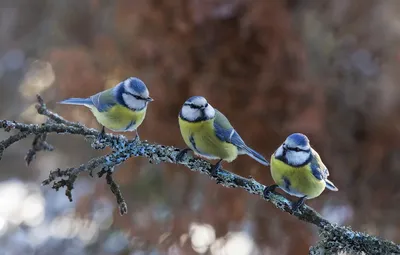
x=334 y=238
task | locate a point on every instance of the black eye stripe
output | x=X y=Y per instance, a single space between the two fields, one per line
x=135 y=96
x=193 y=106
x=295 y=149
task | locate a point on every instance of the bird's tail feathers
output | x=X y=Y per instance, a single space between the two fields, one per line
x=330 y=185
x=77 y=101
x=255 y=155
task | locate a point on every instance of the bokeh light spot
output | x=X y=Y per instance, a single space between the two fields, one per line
x=39 y=77
x=201 y=236
x=32 y=212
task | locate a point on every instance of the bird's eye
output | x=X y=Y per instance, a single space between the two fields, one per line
x=297 y=149
x=137 y=97
x=207 y=105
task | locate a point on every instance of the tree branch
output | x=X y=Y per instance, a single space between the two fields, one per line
x=334 y=238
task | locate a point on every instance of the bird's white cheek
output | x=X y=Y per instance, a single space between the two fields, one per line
x=133 y=103
x=209 y=112
x=190 y=113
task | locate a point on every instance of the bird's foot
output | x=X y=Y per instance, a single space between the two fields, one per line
x=181 y=154
x=296 y=205
x=215 y=168
x=137 y=137
x=269 y=189
x=101 y=135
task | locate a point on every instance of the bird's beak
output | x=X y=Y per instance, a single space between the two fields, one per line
x=149 y=99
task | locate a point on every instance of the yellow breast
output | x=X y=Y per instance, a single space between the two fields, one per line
x=119 y=118
x=297 y=181
x=201 y=138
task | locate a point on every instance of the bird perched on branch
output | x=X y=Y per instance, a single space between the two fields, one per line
x=298 y=170
x=122 y=108
x=208 y=133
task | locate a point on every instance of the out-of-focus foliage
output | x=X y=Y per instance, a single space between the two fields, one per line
x=324 y=68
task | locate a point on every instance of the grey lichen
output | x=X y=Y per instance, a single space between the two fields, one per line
x=334 y=239
x=345 y=240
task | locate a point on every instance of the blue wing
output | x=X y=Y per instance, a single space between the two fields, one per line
x=225 y=132
x=320 y=171
x=104 y=100
x=318 y=168
x=229 y=136
x=316 y=171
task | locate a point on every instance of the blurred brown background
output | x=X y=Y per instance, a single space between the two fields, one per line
x=329 y=69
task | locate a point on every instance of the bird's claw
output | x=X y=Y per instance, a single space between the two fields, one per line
x=98 y=143
x=215 y=168
x=101 y=136
x=181 y=154
x=296 y=205
x=214 y=172
x=268 y=190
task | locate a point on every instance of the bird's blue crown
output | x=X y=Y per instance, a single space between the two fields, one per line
x=195 y=98
x=136 y=84
x=299 y=139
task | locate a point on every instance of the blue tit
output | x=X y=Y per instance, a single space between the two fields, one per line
x=121 y=108
x=208 y=133
x=298 y=170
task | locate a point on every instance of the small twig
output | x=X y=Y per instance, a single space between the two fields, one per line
x=123 y=207
x=72 y=174
x=42 y=110
x=39 y=144
x=11 y=140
